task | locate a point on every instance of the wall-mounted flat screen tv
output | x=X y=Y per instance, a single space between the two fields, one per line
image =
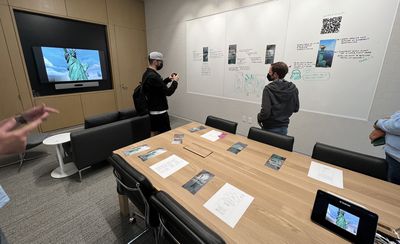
x=69 y=65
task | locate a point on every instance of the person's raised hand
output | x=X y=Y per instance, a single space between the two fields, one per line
x=175 y=76
x=14 y=141
x=36 y=112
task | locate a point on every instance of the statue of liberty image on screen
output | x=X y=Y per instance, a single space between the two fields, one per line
x=77 y=70
x=70 y=64
x=342 y=219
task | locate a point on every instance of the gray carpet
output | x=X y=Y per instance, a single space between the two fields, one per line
x=47 y=210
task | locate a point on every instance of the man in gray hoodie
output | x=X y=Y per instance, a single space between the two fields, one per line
x=279 y=101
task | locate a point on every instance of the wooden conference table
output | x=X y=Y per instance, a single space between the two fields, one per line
x=283 y=200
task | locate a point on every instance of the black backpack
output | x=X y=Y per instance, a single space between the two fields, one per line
x=140 y=100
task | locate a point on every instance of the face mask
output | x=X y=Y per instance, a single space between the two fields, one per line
x=158 y=67
x=269 y=77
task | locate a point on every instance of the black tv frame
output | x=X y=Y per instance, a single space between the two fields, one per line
x=36 y=30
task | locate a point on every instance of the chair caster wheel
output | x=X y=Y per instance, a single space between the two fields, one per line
x=132 y=220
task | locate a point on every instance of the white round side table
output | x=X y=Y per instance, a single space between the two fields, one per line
x=64 y=170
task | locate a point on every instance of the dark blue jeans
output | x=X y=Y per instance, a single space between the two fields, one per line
x=393 y=169
x=279 y=130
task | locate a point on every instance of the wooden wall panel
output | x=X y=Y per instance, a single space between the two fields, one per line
x=128 y=54
x=95 y=10
x=9 y=101
x=16 y=57
x=131 y=55
x=70 y=107
x=114 y=64
x=48 y=6
x=98 y=103
x=127 y=13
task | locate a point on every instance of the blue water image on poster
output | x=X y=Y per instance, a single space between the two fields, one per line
x=343 y=219
x=69 y=64
x=325 y=53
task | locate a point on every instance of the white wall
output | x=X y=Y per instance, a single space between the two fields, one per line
x=166 y=32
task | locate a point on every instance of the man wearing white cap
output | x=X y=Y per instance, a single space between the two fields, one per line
x=156 y=91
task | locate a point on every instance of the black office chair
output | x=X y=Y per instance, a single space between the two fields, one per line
x=138 y=189
x=222 y=124
x=33 y=140
x=271 y=138
x=362 y=163
x=179 y=224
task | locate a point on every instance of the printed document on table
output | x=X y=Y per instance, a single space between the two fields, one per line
x=229 y=204
x=326 y=174
x=169 y=166
x=212 y=135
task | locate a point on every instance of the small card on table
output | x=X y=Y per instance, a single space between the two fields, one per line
x=275 y=162
x=198 y=181
x=178 y=139
x=135 y=150
x=237 y=147
x=198 y=128
x=152 y=154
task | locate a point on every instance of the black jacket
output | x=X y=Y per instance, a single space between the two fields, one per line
x=279 y=101
x=156 y=90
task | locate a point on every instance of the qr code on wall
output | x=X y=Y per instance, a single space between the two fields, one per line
x=331 y=25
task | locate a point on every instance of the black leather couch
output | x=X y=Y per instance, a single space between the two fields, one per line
x=105 y=133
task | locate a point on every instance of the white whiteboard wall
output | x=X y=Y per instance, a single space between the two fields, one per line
x=344 y=85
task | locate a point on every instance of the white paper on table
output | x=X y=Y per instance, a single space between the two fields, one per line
x=326 y=174
x=212 y=135
x=169 y=166
x=229 y=204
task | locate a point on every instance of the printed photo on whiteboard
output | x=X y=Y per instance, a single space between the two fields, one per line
x=296 y=74
x=325 y=53
x=152 y=154
x=198 y=181
x=343 y=219
x=270 y=54
x=205 y=54
x=232 y=54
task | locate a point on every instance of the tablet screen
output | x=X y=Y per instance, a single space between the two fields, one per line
x=342 y=218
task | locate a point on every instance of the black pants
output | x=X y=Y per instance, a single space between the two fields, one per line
x=160 y=122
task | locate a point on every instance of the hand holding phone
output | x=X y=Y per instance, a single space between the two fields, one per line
x=174 y=76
